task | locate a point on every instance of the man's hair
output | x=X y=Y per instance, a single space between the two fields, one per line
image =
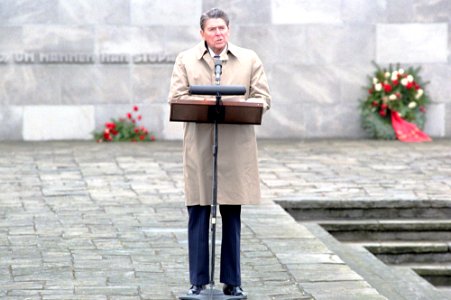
x=214 y=13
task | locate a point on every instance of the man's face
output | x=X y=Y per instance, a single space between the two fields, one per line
x=215 y=34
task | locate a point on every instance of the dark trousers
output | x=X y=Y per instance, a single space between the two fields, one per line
x=198 y=246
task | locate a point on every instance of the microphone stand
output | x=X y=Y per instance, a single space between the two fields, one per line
x=218 y=90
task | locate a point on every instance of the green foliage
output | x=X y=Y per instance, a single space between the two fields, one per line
x=393 y=89
x=125 y=130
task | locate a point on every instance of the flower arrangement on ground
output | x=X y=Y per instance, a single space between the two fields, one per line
x=395 y=95
x=125 y=129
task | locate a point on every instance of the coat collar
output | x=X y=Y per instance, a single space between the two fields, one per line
x=202 y=50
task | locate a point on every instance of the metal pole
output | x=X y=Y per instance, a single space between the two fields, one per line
x=214 y=203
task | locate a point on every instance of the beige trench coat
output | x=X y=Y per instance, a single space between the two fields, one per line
x=238 y=179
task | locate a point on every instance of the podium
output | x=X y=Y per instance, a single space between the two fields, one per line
x=227 y=111
x=233 y=111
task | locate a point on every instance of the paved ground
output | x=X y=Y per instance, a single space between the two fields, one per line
x=80 y=220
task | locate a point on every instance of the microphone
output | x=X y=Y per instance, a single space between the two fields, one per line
x=225 y=90
x=218 y=69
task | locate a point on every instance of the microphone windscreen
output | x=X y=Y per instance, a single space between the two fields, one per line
x=225 y=90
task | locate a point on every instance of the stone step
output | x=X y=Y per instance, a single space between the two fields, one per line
x=320 y=209
x=431 y=269
x=409 y=252
x=437 y=274
x=386 y=225
x=394 y=282
x=389 y=230
x=302 y=203
x=406 y=247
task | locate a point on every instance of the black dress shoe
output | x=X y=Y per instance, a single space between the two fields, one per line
x=196 y=289
x=231 y=290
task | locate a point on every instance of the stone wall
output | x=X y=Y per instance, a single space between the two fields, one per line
x=67 y=67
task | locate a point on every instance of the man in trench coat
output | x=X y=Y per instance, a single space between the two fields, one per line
x=238 y=178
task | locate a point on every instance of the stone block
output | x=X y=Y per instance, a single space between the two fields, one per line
x=11 y=39
x=412 y=43
x=432 y=11
x=171 y=130
x=310 y=44
x=58 y=38
x=325 y=273
x=353 y=80
x=95 y=84
x=41 y=123
x=155 y=117
x=435 y=120
x=151 y=83
x=447 y=120
x=13 y=12
x=162 y=12
x=324 y=112
x=337 y=44
x=449 y=43
x=438 y=77
x=94 y=12
x=292 y=83
x=11 y=120
x=253 y=37
x=283 y=121
x=178 y=38
x=364 y=11
x=242 y=12
x=306 y=12
x=130 y=40
x=29 y=84
x=400 y=11
x=336 y=120
x=354 y=289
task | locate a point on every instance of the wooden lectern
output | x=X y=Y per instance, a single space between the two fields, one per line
x=231 y=111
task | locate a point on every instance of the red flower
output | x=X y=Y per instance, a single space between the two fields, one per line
x=422 y=109
x=395 y=82
x=410 y=85
x=387 y=88
x=107 y=136
x=110 y=125
x=370 y=91
x=126 y=128
x=375 y=103
x=383 y=112
x=152 y=138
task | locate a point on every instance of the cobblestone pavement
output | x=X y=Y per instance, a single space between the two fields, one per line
x=80 y=220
